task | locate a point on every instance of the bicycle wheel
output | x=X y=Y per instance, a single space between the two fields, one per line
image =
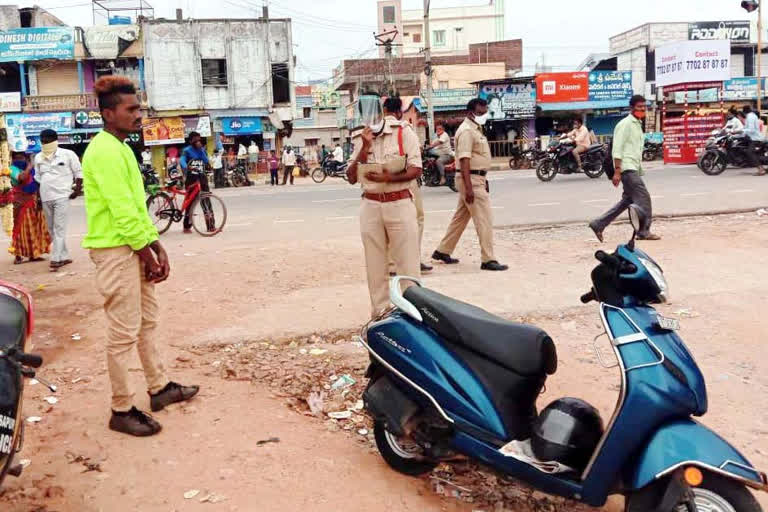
x=208 y=215
x=161 y=209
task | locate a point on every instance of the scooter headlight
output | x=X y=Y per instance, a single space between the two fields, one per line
x=658 y=276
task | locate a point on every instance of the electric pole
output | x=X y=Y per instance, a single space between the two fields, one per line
x=386 y=40
x=428 y=72
x=750 y=6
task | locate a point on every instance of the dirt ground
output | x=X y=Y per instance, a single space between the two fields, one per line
x=261 y=326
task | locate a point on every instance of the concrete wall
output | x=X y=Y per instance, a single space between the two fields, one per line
x=635 y=61
x=386 y=27
x=173 y=70
x=9 y=17
x=461 y=76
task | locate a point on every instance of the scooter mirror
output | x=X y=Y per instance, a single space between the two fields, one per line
x=636 y=216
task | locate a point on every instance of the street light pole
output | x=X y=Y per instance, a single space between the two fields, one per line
x=759 y=56
x=428 y=72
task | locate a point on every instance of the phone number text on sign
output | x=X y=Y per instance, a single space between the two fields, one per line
x=693 y=61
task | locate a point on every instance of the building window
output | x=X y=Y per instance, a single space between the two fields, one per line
x=442 y=84
x=281 y=84
x=214 y=72
x=416 y=38
x=307 y=112
x=438 y=37
x=388 y=14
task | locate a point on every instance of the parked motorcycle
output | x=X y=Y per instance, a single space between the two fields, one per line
x=725 y=148
x=560 y=159
x=238 y=175
x=16 y=321
x=448 y=379
x=149 y=175
x=653 y=151
x=330 y=167
x=431 y=176
x=527 y=158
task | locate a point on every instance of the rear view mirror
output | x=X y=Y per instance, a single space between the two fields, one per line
x=636 y=215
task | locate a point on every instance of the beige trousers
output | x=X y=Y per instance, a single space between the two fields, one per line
x=132 y=316
x=418 y=202
x=388 y=230
x=480 y=213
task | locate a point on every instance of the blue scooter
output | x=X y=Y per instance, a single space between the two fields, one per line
x=449 y=380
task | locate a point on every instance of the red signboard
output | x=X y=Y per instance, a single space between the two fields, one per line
x=562 y=87
x=685 y=137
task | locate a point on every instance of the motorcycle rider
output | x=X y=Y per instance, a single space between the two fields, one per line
x=582 y=139
x=752 y=130
x=441 y=149
x=338 y=157
x=734 y=124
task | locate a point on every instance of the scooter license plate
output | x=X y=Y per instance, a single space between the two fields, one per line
x=668 y=324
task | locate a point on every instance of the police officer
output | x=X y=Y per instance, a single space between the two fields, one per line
x=474 y=156
x=386 y=160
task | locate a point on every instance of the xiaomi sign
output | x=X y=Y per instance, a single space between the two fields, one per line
x=562 y=87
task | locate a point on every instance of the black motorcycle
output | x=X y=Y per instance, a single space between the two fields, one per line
x=149 y=175
x=527 y=158
x=430 y=176
x=16 y=319
x=724 y=149
x=238 y=175
x=560 y=159
x=331 y=168
x=652 y=151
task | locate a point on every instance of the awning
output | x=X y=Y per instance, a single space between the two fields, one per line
x=582 y=105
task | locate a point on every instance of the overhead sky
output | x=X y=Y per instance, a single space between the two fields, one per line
x=561 y=32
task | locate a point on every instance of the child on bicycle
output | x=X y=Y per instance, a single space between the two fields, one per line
x=194 y=162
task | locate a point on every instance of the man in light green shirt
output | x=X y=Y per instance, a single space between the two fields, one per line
x=628 y=143
x=129 y=259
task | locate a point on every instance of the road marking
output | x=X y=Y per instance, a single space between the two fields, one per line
x=336 y=200
x=441 y=211
x=241 y=224
x=596 y=201
x=293 y=221
x=741 y=191
x=695 y=194
x=657 y=197
x=544 y=204
x=339 y=218
x=497 y=207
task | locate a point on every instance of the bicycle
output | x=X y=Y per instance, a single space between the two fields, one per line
x=163 y=209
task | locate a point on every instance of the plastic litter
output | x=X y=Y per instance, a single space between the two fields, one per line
x=363 y=431
x=315 y=403
x=343 y=382
x=34 y=419
x=262 y=442
x=317 y=351
x=51 y=399
x=191 y=494
x=76 y=337
x=340 y=415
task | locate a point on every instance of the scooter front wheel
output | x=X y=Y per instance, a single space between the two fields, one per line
x=402 y=454
x=715 y=494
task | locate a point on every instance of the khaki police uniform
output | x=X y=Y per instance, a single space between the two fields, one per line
x=388 y=218
x=472 y=144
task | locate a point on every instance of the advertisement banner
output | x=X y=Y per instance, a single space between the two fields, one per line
x=510 y=101
x=240 y=125
x=685 y=137
x=22 y=44
x=33 y=124
x=109 y=42
x=201 y=125
x=693 y=61
x=562 y=87
x=10 y=102
x=610 y=86
x=88 y=119
x=736 y=31
x=159 y=131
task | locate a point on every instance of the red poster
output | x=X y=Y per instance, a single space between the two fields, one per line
x=686 y=137
x=562 y=87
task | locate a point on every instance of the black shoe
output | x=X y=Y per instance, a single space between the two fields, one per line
x=171 y=394
x=445 y=258
x=493 y=265
x=426 y=268
x=598 y=232
x=135 y=423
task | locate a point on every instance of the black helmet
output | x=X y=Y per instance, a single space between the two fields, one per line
x=567 y=431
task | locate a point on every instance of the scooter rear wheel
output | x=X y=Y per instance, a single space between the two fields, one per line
x=402 y=455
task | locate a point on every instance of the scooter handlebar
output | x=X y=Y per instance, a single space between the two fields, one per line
x=608 y=259
x=31 y=360
x=588 y=297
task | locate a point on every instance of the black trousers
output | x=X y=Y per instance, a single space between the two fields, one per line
x=752 y=154
x=274 y=179
x=635 y=192
x=192 y=178
x=288 y=171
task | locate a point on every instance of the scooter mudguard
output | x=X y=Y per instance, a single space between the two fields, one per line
x=688 y=443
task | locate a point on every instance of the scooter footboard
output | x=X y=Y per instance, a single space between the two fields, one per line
x=688 y=443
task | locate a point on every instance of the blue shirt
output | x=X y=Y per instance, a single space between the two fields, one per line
x=752 y=127
x=193 y=158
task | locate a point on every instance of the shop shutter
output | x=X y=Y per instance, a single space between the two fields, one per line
x=58 y=78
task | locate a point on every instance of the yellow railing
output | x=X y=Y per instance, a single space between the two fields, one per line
x=55 y=103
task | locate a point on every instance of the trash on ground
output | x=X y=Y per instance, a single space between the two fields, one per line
x=685 y=312
x=33 y=382
x=359 y=405
x=34 y=419
x=762 y=212
x=212 y=498
x=317 y=351
x=191 y=494
x=25 y=462
x=363 y=431
x=262 y=442
x=76 y=337
x=315 y=403
x=340 y=415
x=343 y=382
x=51 y=399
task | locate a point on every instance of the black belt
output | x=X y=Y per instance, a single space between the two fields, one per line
x=478 y=173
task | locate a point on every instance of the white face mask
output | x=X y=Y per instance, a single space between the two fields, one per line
x=481 y=120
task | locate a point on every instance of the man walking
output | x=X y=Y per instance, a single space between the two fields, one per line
x=56 y=169
x=385 y=166
x=627 y=153
x=289 y=162
x=753 y=131
x=474 y=156
x=129 y=259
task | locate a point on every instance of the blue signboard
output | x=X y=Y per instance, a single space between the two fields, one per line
x=510 y=100
x=21 y=44
x=240 y=125
x=610 y=86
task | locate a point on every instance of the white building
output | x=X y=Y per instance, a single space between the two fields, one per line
x=452 y=29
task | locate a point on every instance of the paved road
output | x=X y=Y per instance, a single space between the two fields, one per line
x=309 y=210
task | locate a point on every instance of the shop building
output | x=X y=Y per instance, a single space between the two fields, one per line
x=319 y=109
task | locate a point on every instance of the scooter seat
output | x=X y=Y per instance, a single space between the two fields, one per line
x=13 y=322
x=524 y=349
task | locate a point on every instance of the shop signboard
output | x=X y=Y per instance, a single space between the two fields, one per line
x=10 y=102
x=685 y=137
x=201 y=125
x=325 y=97
x=693 y=61
x=110 y=41
x=510 y=101
x=562 y=87
x=88 y=119
x=160 y=131
x=610 y=86
x=24 y=44
x=736 y=31
x=241 y=125
x=33 y=124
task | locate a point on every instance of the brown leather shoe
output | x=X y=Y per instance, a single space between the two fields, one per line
x=135 y=423
x=171 y=394
x=649 y=236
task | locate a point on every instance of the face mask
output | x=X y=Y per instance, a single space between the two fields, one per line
x=481 y=120
x=640 y=114
x=50 y=148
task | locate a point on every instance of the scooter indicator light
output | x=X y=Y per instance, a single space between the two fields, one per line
x=693 y=476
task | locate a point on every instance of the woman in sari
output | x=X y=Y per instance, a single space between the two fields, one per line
x=30 y=232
